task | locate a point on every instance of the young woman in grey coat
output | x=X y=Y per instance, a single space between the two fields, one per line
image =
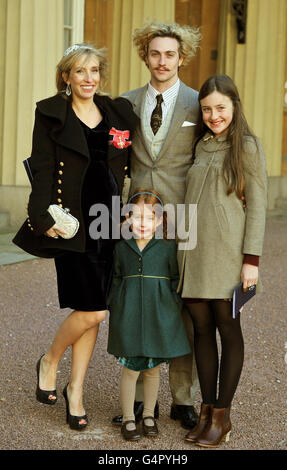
x=228 y=183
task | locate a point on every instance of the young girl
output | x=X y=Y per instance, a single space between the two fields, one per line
x=228 y=183
x=145 y=328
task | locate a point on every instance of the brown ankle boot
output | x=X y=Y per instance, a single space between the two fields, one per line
x=217 y=430
x=205 y=413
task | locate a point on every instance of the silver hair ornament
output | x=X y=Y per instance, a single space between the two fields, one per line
x=75 y=47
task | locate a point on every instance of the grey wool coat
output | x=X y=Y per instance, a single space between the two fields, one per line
x=225 y=230
x=145 y=310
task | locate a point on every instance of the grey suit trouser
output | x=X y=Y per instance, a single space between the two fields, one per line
x=183 y=380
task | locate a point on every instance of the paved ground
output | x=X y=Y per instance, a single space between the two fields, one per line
x=30 y=316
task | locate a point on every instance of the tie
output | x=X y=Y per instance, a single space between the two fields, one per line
x=156 y=117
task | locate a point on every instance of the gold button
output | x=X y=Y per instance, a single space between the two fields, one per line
x=29 y=225
x=60 y=205
x=61 y=163
x=126 y=167
x=60 y=181
x=59 y=191
x=31 y=228
x=59 y=200
x=60 y=172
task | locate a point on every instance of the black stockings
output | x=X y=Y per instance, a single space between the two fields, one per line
x=207 y=316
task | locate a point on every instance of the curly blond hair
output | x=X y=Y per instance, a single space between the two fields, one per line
x=75 y=53
x=188 y=38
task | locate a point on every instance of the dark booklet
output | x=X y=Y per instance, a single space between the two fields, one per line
x=240 y=298
x=28 y=169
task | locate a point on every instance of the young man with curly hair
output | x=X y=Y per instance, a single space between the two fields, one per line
x=160 y=159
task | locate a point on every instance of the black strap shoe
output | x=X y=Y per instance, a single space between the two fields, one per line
x=138 y=411
x=186 y=414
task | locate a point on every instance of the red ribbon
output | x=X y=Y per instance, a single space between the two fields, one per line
x=119 y=140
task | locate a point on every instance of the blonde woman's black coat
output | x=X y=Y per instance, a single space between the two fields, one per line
x=59 y=161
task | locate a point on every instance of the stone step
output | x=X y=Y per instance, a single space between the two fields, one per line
x=4 y=219
x=10 y=253
x=281 y=203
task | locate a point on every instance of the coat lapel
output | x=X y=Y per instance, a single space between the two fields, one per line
x=138 y=105
x=133 y=245
x=150 y=244
x=137 y=100
x=72 y=135
x=117 y=118
x=66 y=131
x=178 y=118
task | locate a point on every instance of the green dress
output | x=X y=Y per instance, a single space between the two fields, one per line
x=146 y=326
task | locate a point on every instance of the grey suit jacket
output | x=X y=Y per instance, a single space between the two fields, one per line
x=167 y=173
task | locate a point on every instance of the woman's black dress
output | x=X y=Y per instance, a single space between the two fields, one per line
x=84 y=278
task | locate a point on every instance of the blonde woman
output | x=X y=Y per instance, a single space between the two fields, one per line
x=74 y=166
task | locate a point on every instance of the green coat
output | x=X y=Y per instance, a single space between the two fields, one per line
x=225 y=231
x=145 y=310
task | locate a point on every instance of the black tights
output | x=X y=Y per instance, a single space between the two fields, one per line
x=207 y=316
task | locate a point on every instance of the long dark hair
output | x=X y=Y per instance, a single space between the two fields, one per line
x=238 y=129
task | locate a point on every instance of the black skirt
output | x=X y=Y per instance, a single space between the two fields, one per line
x=84 y=278
x=83 y=281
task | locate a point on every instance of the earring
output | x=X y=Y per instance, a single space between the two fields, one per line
x=68 y=89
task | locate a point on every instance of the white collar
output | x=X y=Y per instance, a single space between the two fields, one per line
x=168 y=95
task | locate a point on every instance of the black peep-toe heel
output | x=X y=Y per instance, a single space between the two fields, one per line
x=48 y=397
x=74 y=421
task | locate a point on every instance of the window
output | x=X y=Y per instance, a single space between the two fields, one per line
x=73 y=22
x=68 y=25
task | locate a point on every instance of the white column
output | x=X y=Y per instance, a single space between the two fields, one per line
x=78 y=19
x=257 y=68
x=34 y=45
x=31 y=44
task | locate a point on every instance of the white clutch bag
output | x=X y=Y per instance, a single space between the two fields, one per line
x=126 y=190
x=64 y=220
